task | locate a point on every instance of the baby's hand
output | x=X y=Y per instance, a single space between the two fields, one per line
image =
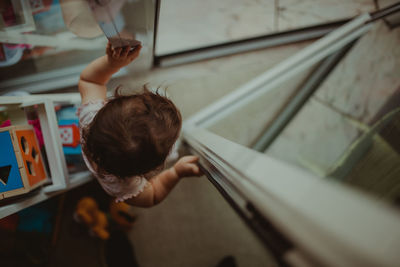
x=187 y=166
x=121 y=56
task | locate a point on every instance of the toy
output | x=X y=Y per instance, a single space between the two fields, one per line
x=22 y=108
x=38 y=131
x=88 y=212
x=21 y=164
x=69 y=133
x=5 y=123
x=70 y=137
x=122 y=215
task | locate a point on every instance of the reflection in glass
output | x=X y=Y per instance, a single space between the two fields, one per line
x=43 y=37
x=347 y=129
x=245 y=126
x=210 y=22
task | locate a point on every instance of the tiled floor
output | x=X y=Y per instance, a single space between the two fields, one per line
x=355 y=95
x=301 y=13
x=245 y=125
x=195 y=226
x=192 y=24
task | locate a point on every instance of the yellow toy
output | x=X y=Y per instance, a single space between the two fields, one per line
x=122 y=214
x=88 y=212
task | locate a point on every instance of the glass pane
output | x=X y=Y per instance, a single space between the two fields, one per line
x=294 y=14
x=245 y=125
x=43 y=37
x=194 y=86
x=63 y=49
x=192 y=24
x=347 y=130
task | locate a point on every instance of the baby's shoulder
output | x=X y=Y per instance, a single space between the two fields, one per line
x=86 y=112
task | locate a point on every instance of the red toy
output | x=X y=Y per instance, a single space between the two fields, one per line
x=69 y=135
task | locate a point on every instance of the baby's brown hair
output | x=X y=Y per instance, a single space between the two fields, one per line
x=132 y=134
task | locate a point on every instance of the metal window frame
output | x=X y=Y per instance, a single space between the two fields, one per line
x=302 y=219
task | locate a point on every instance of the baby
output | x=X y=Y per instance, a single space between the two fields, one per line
x=126 y=139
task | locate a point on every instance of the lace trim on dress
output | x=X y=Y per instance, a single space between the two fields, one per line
x=130 y=195
x=91 y=102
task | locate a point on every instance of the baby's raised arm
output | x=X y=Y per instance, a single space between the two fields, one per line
x=161 y=185
x=93 y=79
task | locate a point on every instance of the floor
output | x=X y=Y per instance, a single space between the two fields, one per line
x=348 y=112
x=357 y=89
x=211 y=22
x=195 y=226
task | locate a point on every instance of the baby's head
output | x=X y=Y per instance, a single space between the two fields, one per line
x=132 y=135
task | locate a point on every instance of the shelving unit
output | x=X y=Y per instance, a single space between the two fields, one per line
x=61 y=180
x=33 y=198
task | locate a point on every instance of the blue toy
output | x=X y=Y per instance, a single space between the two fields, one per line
x=21 y=163
x=11 y=181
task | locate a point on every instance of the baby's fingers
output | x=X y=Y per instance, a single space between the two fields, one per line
x=190 y=159
x=193 y=170
x=125 y=51
x=196 y=170
x=134 y=52
x=117 y=52
x=109 y=49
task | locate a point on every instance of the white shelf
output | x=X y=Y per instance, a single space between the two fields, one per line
x=60 y=178
x=75 y=180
